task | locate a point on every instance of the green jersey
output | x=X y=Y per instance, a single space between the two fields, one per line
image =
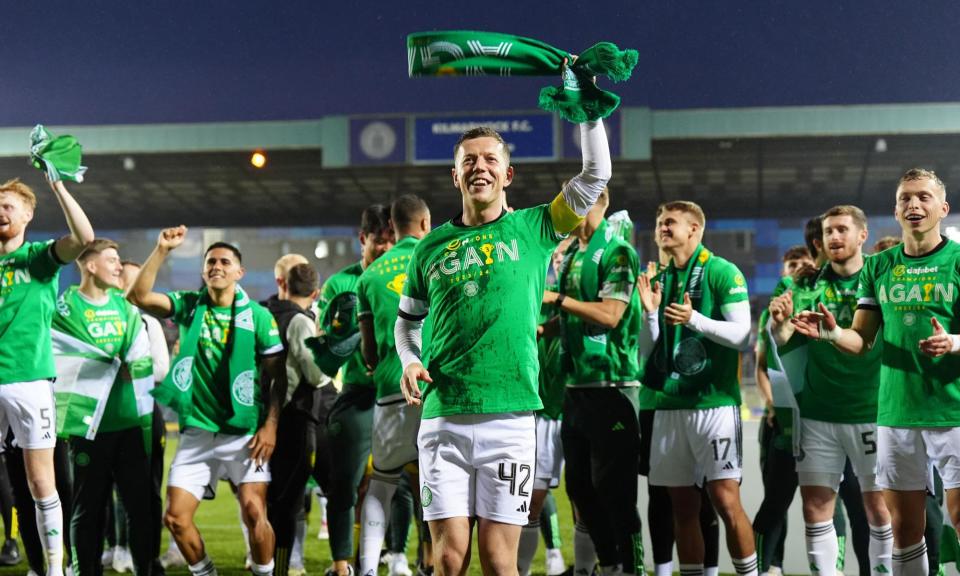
x=703 y=374
x=483 y=285
x=785 y=283
x=112 y=327
x=212 y=402
x=28 y=294
x=915 y=390
x=339 y=299
x=606 y=269
x=837 y=387
x=378 y=297
x=551 y=379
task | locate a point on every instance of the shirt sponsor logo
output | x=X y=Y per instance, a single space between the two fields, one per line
x=738 y=290
x=900 y=269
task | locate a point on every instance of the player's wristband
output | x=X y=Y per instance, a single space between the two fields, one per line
x=830 y=335
x=559 y=301
x=954 y=343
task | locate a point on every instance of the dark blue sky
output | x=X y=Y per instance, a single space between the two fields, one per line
x=109 y=62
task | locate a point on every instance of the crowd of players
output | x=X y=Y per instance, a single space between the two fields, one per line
x=467 y=382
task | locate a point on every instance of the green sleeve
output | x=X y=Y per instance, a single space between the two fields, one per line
x=866 y=291
x=415 y=287
x=363 y=301
x=42 y=262
x=729 y=284
x=541 y=224
x=183 y=303
x=267 y=332
x=619 y=269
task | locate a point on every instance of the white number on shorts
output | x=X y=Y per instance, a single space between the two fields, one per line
x=512 y=477
x=869 y=442
x=45 y=417
x=716 y=443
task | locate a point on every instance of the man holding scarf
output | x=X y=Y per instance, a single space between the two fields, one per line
x=698 y=319
x=481 y=276
x=105 y=374
x=599 y=323
x=230 y=350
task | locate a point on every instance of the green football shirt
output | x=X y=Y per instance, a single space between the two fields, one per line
x=212 y=403
x=600 y=355
x=483 y=285
x=785 y=283
x=339 y=290
x=711 y=376
x=106 y=326
x=552 y=378
x=839 y=387
x=28 y=295
x=915 y=390
x=378 y=297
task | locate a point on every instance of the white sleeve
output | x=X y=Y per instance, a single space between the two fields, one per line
x=581 y=191
x=158 y=347
x=649 y=332
x=733 y=331
x=299 y=356
x=409 y=338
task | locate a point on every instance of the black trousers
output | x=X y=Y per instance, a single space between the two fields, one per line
x=601 y=446
x=118 y=457
x=290 y=468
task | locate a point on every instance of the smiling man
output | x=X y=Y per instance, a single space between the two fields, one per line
x=481 y=276
x=230 y=350
x=908 y=297
x=838 y=406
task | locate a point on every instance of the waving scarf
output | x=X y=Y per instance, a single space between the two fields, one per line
x=468 y=53
x=176 y=390
x=58 y=156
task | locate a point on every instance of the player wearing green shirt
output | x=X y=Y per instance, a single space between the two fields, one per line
x=350 y=422
x=697 y=321
x=395 y=423
x=599 y=324
x=28 y=291
x=481 y=276
x=838 y=402
x=908 y=299
x=103 y=390
x=230 y=351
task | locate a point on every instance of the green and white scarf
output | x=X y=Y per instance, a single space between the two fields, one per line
x=585 y=341
x=58 y=156
x=469 y=53
x=176 y=390
x=86 y=374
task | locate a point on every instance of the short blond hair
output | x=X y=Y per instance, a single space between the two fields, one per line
x=923 y=174
x=691 y=208
x=95 y=248
x=286 y=262
x=20 y=189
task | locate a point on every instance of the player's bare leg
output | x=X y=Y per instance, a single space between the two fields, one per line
x=497 y=543
x=451 y=546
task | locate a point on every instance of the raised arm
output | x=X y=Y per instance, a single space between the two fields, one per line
x=81 y=231
x=580 y=193
x=142 y=294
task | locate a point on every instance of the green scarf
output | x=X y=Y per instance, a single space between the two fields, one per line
x=584 y=342
x=176 y=390
x=58 y=156
x=679 y=354
x=468 y=53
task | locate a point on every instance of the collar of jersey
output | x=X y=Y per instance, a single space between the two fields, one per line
x=458 y=220
x=937 y=248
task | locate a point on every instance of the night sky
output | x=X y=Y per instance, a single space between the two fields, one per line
x=117 y=62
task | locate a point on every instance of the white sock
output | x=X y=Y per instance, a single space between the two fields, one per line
x=665 y=569
x=881 y=549
x=374 y=519
x=529 y=539
x=50 y=527
x=205 y=567
x=711 y=571
x=262 y=569
x=822 y=548
x=584 y=554
x=296 y=555
x=744 y=566
x=691 y=570
x=912 y=560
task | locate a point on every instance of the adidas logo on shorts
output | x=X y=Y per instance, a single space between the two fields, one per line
x=522 y=508
x=728 y=466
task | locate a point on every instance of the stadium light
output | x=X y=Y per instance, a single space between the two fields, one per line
x=322 y=250
x=258 y=159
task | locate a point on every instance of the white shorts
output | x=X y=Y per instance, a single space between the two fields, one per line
x=692 y=445
x=394 y=439
x=903 y=454
x=27 y=408
x=825 y=447
x=549 y=454
x=478 y=465
x=203 y=458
